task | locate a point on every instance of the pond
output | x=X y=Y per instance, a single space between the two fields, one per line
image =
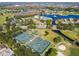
x=56 y=17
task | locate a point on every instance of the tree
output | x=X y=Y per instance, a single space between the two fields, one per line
x=3 y=37
x=7 y=18
x=57 y=39
x=21 y=50
x=10 y=42
x=71 y=26
x=46 y=33
x=51 y=52
x=31 y=24
x=1 y=28
x=42 y=21
x=2 y=14
x=49 y=23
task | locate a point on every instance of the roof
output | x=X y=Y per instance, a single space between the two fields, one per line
x=30 y=13
x=2 y=46
x=4 y=51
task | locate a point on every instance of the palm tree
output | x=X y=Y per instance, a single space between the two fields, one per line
x=57 y=39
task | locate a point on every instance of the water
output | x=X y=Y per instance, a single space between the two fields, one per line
x=64 y=36
x=56 y=17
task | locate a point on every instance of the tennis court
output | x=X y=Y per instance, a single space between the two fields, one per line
x=24 y=37
x=39 y=45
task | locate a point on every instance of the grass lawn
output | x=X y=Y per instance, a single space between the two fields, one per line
x=2 y=20
x=50 y=51
x=75 y=13
x=2 y=17
x=74 y=51
x=53 y=53
x=51 y=35
x=70 y=34
x=67 y=13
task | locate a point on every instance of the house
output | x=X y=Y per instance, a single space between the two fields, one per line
x=4 y=51
x=40 y=24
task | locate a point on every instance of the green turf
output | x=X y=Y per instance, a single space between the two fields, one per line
x=2 y=20
x=70 y=34
x=74 y=51
x=3 y=17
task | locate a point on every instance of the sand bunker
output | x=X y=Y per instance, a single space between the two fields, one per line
x=62 y=47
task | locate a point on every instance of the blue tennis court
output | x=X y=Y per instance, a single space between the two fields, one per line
x=39 y=45
x=24 y=37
